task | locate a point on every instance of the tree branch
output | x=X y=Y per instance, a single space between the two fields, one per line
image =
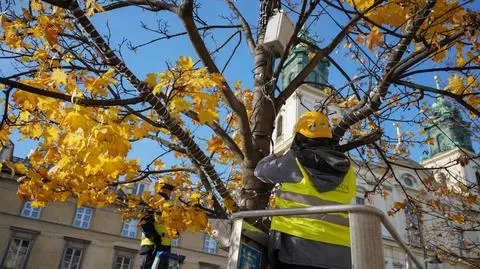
x=246 y=28
x=150 y=5
x=69 y=98
x=186 y=14
x=231 y=144
x=457 y=97
x=429 y=70
x=364 y=140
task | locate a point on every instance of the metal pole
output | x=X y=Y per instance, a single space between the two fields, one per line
x=235 y=237
x=368 y=211
x=366 y=240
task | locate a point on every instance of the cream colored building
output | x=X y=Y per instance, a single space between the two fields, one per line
x=65 y=237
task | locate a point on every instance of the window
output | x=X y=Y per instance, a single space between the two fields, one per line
x=72 y=258
x=359 y=201
x=477 y=175
x=17 y=253
x=279 y=126
x=73 y=253
x=83 y=217
x=139 y=188
x=122 y=262
x=209 y=245
x=123 y=258
x=16 y=256
x=408 y=180
x=130 y=228
x=31 y=212
x=175 y=242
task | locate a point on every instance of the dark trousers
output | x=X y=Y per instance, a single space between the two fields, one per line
x=150 y=257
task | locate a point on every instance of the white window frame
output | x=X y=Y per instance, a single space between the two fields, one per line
x=74 y=244
x=74 y=251
x=22 y=235
x=209 y=245
x=124 y=253
x=175 y=242
x=28 y=210
x=132 y=227
x=122 y=264
x=82 y=217
x=16 y=259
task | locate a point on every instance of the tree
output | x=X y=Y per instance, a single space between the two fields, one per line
x=71 y=90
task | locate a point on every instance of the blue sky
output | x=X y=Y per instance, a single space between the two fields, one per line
x=125 y=24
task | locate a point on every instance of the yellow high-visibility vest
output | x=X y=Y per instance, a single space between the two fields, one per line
x=330 y=228
x=162 y=231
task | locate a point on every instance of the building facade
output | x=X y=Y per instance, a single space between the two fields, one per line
x=63 y=236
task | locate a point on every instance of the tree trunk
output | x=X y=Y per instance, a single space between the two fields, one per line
x=256 y=193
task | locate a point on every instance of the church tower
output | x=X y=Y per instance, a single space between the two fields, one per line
x=298 y=59
x=451 y=137
x=448 y=130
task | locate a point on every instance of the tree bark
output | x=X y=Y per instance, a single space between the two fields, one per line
x=255 y=193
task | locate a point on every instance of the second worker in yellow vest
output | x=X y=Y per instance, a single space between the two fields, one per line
x=311 y=173
x=155 y=236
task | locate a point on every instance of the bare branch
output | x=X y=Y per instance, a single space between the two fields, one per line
x=69 y=98
x=246 y=28
x=456 y=97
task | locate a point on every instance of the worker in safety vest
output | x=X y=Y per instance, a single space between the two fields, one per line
x=311 y=173
x=155 y=235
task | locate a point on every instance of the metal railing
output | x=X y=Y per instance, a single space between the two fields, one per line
x=365 y=233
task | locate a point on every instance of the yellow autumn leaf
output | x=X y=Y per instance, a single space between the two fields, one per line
x=37 y=5
x=159 y=164
x=327 y=90
x=151 y=80
x=207 y=116
x=179 y=105
x=24 y=115
x=185 y=63
x=58 y=77
x=37 y=203
x=374 y=39
x=230 y=205
x=361 y=4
